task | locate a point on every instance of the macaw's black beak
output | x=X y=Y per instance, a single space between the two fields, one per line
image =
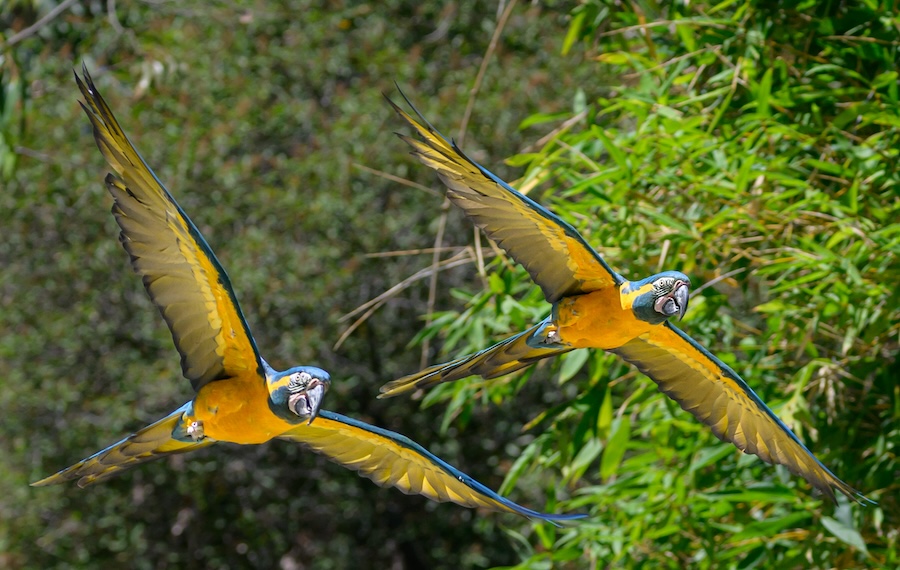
x=681 y=294
x=314 y=397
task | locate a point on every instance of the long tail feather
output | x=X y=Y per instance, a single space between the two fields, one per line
x=505 y=357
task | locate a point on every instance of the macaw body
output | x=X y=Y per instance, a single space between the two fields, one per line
x=239 y=412
x=601 y=318
x=239 y=397
x=595 y=307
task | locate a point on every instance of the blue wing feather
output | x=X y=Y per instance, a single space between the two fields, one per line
x=718 y=397
x=392 y=459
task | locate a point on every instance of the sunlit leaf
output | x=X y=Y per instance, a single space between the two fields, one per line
x=845 y=534
x=615 y=447
x=572 y=363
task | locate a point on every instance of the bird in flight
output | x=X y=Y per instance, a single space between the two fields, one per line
x=595 y=307
x=239 y=397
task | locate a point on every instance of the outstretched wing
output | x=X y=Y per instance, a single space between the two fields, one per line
x=152 y=442
x=391 y=459
x=707 y=388
x=178 y=268
x=505 y=357
x=551 y=250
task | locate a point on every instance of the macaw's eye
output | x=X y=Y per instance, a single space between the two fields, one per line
x=299 y=381
x=664 y=285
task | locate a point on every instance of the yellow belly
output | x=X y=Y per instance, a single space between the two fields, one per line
x=597 y=320
x=237 y=411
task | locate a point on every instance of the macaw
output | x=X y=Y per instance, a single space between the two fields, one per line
x=239 y=397
x=595 y=307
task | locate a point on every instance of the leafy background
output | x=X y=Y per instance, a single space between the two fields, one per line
x=752 y=145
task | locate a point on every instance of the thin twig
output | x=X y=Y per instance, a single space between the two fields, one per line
x=555 y=132
x=425 y=272
x=662 y=254
x=35 y=27
x=113 y=18
x=863 y=39
x=663 y=23
x=669 y=62
x=722 y=277
x=407 y=252
x=445 y=207
x=578 y=153
x=44 y=157
x=432 y=282
x=397 y=179
x=371 y=306
x=479 y=78
x=479 y=258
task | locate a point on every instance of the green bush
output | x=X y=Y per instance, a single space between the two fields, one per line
x=753 y=147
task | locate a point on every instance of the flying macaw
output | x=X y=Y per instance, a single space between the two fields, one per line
x=595 y=307
x=239 y=397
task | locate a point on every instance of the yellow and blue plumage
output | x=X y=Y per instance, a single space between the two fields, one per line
x=239 y=397
x=595 y=307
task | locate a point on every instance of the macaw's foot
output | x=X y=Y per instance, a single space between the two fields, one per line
x=546 y=336
x=195 y=430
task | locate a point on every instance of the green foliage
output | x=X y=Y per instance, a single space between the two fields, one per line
x=754 y=148
x=11 y=122
x=750 y=145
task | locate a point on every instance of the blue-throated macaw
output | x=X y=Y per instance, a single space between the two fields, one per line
x=239 y=397
x=595 y=307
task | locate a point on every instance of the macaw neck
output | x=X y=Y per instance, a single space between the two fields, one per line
x=269 y=372
x=631 y=291
x=277 y=385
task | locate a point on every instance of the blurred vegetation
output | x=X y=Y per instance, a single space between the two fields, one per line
x=256 y=115
x=751 y=145
x=754 y=147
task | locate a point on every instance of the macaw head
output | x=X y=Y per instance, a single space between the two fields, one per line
x=303 y=392
x=663 y=295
